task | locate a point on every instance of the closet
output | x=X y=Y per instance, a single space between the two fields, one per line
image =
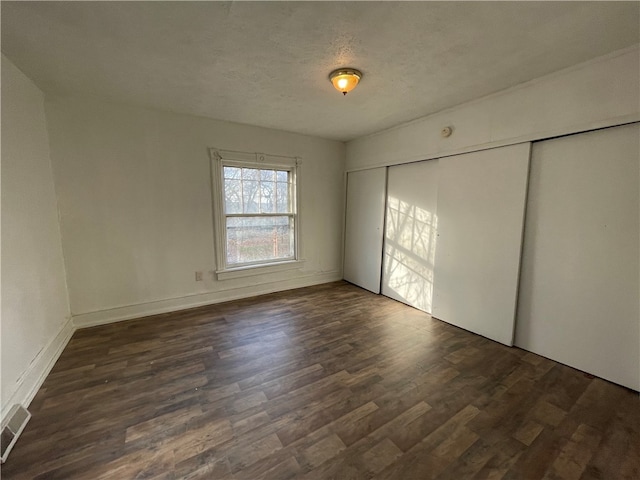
x=452 y=235
x=535 y=244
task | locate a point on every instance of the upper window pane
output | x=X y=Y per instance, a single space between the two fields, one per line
x=267 y=197
x=283 y=204
x=232 y=172
x=268 y=175
x=232 y=196
x=283 y=176
x=255 y=190
x=250 y=174
x=250 y=196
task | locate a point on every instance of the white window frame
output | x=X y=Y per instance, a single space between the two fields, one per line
x=222 y=158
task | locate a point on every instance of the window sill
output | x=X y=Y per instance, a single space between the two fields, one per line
x=253 y=270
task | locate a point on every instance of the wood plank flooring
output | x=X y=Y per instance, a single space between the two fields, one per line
x=326 y=382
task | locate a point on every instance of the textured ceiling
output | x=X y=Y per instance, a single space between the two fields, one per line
x=266 y=63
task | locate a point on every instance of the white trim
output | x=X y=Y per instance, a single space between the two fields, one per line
x=217 y=206
x=254 y=157
x=250 y=270
x=32 y=379
x=261 y=160
x=532 y=137
x=103 y=317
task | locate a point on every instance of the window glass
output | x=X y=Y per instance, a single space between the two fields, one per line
x=254 y=239
x=232 y=172
x=259 y=219
x=267 y=197
x=282 y=176
x=282 y=197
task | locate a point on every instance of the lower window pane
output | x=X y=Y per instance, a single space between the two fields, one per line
x=256 y=239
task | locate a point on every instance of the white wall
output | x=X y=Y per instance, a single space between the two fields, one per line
x=35 y=310
x=598 y=93
x=134 y=190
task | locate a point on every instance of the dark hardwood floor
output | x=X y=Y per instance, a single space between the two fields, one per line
x=326 y=382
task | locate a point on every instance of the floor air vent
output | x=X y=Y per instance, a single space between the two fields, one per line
x=18 y=418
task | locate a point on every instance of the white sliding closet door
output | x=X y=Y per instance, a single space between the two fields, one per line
x=410 y=236
x=579 y=285
x=366 y=191
x=481 y=200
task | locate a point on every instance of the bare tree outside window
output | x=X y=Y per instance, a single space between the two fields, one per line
x=259 y=215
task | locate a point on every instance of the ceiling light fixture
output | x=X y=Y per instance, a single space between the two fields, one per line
x=345 y=79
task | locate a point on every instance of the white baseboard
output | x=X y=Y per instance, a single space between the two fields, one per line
x=103 y=317
x=35 y=375
x=33 y=378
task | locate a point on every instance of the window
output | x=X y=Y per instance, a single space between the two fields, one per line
x=256 y=210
